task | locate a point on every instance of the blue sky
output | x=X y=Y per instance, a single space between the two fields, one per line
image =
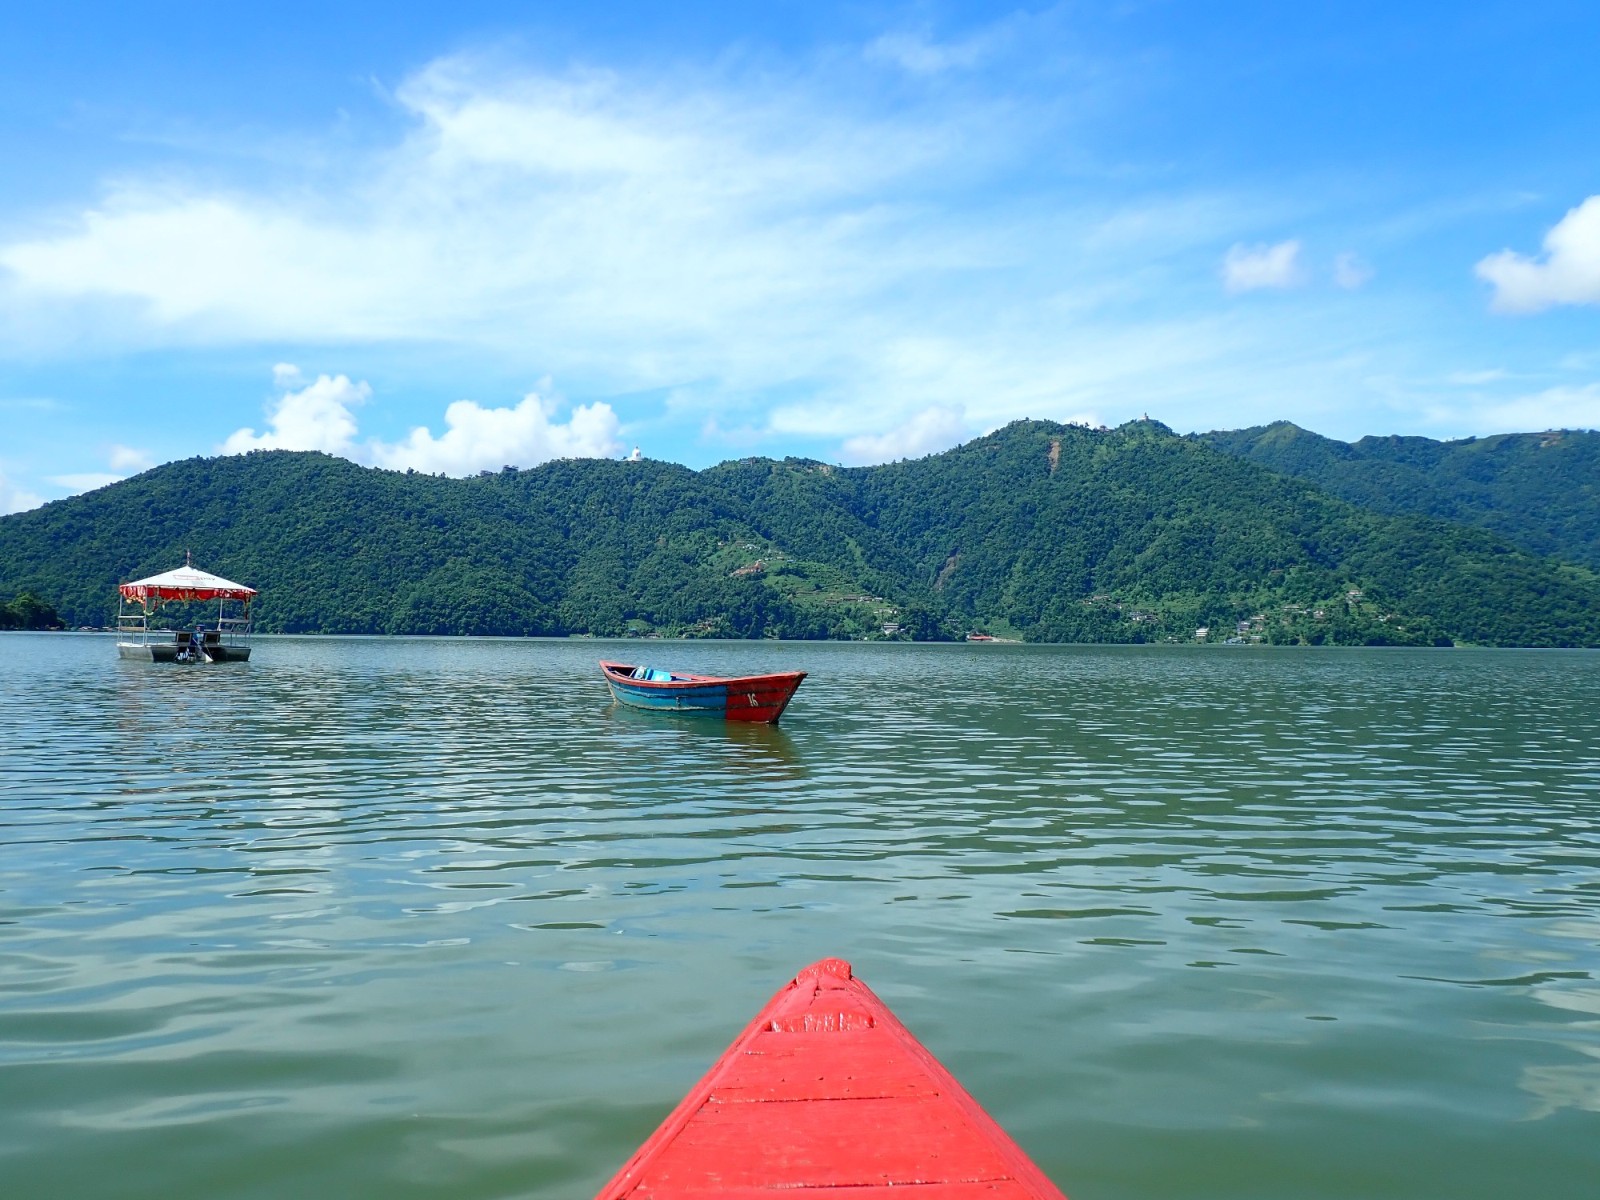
x=454 y=236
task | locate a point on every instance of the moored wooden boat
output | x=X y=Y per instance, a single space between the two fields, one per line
x=825 y=1089
x=759 y=698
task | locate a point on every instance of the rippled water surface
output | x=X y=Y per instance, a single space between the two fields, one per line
x=392 y=918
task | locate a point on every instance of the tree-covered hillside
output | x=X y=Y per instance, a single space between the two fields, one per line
x=1074 y=534
x=27 y=611
x=1539 y=490
x=586 y=546
x=1040 y=531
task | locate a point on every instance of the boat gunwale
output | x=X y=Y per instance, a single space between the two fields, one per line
x=618 y=672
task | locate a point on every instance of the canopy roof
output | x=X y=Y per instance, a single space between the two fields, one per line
x=185 y=583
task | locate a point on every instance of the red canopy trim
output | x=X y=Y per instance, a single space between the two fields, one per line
x=134 y=591
x=185 y=583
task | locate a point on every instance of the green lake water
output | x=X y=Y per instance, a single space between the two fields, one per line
x=433 y=918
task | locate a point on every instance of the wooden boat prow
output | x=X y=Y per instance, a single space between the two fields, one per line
x=826 y=1089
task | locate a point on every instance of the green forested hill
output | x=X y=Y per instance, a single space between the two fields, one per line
x=1041 y=531
x=1539 y=490
x=1138 y=532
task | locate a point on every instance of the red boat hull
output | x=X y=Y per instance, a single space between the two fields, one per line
x=759 y=698
x=827 y=1090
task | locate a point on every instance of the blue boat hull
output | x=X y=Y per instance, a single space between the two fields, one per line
x=758 y=698
x=700 y=701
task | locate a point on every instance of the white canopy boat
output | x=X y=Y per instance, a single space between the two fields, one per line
x=142 y=635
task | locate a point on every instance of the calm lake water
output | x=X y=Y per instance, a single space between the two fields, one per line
x=432 y=918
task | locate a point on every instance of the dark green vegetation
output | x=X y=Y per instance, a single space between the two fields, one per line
x=27 y=611
x=1539 y=490
x=1041 y=531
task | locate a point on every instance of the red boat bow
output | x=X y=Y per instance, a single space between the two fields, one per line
x=826 y=1089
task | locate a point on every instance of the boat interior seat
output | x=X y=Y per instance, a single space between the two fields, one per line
x=212 y=637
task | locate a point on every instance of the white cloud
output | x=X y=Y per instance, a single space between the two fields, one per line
x=1247 y=268
x=15 y=498
x=733 y=238
x=1350 y=271
x=1568 y=274
x=317 y=417
x=917 y=52
x=1477 y=378
x=923 y=433
x=1565 y=407
x=766 y=251
x=127 y=458
x=571 y=206
x=121 y=459
x=480 y=439
x=86 y=481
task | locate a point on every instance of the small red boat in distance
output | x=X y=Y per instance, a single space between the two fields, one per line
x=827 y=1090
x=760 y=698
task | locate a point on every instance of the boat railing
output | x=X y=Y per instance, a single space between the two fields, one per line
x=136 y=632
x=134 y=628
x=232 y=631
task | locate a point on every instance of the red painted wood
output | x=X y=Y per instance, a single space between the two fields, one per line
x=1000 y=1190
x=826 y=1089
x=861 y=1066
x=830 y=1142
x=756 y=698
x=761 y=698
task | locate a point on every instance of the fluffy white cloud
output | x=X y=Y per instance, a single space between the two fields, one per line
x=738 y=239
x=15 y=498
x=127 y=458
x=923 y=433
x=317 y=417
x=1350 y=271
x=1247 y=268
x=481 y=439
x=1568 y=274
x=570 y=206
x=776 y=253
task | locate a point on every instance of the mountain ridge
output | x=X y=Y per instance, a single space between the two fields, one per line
x=1047 y=531
x=1540 y=490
